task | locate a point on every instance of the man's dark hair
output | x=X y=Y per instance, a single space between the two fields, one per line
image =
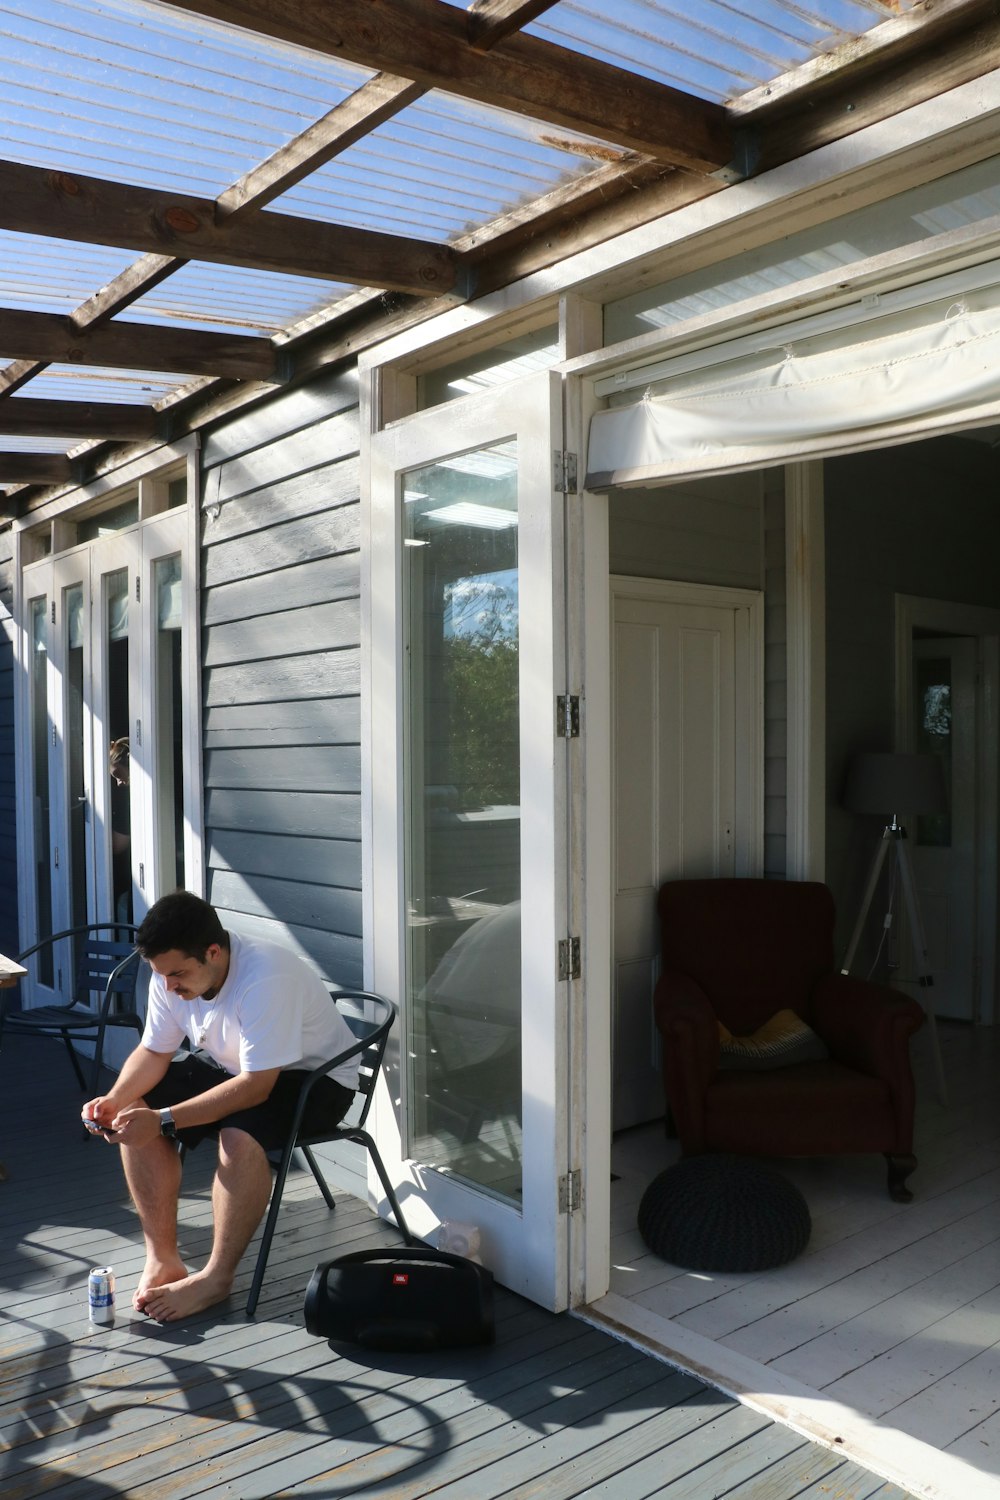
x=182 y=921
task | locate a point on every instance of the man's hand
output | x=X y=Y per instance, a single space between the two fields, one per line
x=137 y=1125
x=102 y=1111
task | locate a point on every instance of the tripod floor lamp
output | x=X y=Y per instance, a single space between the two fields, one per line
x=888 y=784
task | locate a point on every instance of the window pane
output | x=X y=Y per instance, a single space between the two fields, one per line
x=75 y=624
x=116 y=676
x=463 y=843
x=169 y=790
x=40 y=776
x=933 y=702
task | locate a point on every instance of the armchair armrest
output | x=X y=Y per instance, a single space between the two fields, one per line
x=866 y=1026
x=690 y=1034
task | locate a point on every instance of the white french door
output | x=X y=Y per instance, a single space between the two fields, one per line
x=465 y=611
x=108 y=656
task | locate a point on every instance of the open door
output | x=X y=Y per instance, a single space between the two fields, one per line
x=467 y=786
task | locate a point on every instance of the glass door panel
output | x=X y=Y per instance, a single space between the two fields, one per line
x=168 y=710
x=463 y=865
x=468 y=795
x=38 y=616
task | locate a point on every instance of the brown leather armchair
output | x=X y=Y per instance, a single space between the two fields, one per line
x=739 y=951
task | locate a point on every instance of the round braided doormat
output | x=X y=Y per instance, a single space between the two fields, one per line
x=723 y=1213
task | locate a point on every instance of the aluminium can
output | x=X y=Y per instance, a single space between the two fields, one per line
x=101 y=1294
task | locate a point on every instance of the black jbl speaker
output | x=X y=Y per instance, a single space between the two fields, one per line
x=417 y=1298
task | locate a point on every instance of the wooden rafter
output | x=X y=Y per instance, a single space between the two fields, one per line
x=426 y=40
x=68 y=206
x=34 y=468
x=134 y=346
x=24 y=416
x=375 y=101
x=489 y=21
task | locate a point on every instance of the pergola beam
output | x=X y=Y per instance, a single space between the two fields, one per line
x=34 y=200
x=427 y=40
x=34 y=468
x=25 y=416
x=134 y=346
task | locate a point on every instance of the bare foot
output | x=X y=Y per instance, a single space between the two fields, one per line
x=183 y=1298
x=156 y=1273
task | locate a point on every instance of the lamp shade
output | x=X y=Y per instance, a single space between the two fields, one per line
x=890 y=783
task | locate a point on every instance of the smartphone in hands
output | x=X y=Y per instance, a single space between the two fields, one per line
x=96 y=1128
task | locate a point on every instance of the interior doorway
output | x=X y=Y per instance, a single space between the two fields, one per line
x=687 y=694
x=947 y=672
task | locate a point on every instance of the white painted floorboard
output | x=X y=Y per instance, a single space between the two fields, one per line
x=893 y=1311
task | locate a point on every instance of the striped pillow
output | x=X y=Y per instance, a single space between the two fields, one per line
x=783 y=1040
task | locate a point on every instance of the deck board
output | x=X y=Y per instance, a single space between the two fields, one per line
x=226 y=1408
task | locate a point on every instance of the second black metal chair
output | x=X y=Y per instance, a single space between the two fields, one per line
x=370 y=1018
x=102 y=995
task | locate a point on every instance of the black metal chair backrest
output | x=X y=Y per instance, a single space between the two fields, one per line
x=102 y=993
x=374 y=1032
x=98 y=959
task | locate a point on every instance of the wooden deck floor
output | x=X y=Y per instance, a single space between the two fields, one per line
x=888 y=1327
x=229 y=1409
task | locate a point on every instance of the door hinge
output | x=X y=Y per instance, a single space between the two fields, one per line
x=570 y=1192
x=53 y=611
x=568 y=716
x=569 y=958
x=138 y=588
x=564 y=472
x=55 y=857
x=138 y=731
x=142 y=876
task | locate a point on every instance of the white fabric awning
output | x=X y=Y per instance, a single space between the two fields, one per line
x=932 y=368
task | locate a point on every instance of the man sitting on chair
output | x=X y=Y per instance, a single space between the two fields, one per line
x=259 y=1019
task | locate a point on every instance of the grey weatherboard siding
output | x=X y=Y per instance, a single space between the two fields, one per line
x=281 y=672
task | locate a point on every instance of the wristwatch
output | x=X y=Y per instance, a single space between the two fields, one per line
x=167 y=1126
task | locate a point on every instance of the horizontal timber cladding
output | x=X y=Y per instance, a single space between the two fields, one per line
x=8 y=849
x=281 y=673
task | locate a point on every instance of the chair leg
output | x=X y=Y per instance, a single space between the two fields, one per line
x=75 y=1061
x=95 y=1072
x=270 y=1223
x=364 y=1139
x=900 y=1168
x=331 y=1201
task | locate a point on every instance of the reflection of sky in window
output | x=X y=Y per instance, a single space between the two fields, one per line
x=483 y=605
x=937 y=709
x=969 y=196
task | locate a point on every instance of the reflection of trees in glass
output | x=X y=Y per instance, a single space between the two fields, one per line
x=481 y=665
x=937 y=709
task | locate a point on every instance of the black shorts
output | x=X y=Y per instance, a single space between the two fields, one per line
x=269 y=1123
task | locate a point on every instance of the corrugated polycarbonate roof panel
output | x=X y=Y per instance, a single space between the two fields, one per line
x=91 y=383
x=442 y=167
x=226 y=299
x=50 y=275
x=715 y=49
x=143 y=93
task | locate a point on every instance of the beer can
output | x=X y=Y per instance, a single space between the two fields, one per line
x=101 y=1294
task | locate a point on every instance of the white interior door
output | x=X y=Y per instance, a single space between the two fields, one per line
x=465 y=610
x=943 y=848
x=686 y=695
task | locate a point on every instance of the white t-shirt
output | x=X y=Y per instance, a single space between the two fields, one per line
x=272 y=1011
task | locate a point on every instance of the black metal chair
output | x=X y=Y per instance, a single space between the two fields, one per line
x=107 y=970
x=370 y=1018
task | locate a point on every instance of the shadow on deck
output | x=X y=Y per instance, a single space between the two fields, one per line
x=250 y=1410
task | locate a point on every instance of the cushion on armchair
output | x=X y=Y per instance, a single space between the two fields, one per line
x=780 y=1043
